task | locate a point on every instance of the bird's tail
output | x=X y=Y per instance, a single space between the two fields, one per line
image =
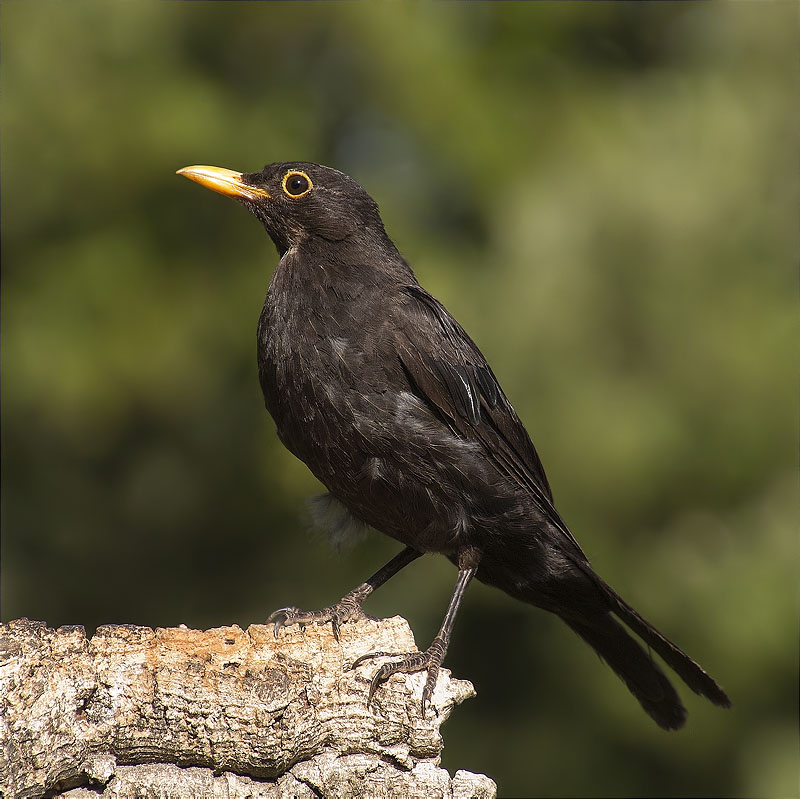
x=689 y=671
x=636 y=667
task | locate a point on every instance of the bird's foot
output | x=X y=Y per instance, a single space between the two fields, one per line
x=346 y=609
x=430 y=660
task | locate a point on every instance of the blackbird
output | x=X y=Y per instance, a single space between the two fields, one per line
x=384 y=396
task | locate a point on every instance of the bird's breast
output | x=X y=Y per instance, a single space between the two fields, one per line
x=316 y=374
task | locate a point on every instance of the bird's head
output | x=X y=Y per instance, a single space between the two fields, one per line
x=297 y=201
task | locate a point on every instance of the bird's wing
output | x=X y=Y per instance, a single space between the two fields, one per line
x=447 y=370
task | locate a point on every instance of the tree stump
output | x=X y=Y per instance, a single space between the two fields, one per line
x=177 y=713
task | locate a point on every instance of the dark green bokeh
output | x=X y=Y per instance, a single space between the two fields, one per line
x=604 y=194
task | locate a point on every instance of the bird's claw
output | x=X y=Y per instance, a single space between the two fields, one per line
x=282 y=616
x=346 y=609
x=430 y=660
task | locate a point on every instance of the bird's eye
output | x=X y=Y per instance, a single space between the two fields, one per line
x=296 y=184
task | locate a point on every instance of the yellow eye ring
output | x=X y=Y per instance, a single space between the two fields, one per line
x=296 y=184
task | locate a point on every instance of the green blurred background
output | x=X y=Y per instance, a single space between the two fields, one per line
x=605 y=195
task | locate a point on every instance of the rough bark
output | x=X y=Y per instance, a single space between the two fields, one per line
x=136 y=712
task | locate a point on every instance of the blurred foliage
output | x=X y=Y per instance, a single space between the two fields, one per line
x=605 y=194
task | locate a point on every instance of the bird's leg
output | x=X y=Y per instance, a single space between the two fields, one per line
x=349 y=606
x=432 y=658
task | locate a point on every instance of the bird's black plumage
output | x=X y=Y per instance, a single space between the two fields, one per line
x=379 y=390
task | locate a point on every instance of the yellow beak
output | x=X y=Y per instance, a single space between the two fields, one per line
x=224 y=181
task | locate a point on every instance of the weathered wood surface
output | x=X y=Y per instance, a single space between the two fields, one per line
x=136 y=712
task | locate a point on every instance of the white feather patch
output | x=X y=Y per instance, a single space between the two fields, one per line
x=343 y=530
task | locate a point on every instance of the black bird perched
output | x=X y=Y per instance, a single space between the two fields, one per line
x=384 y=396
